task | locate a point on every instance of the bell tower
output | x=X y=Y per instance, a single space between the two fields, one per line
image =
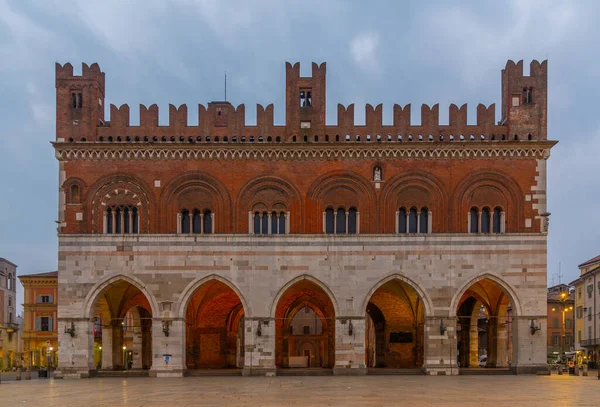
x=305 y=102
x=79 y=102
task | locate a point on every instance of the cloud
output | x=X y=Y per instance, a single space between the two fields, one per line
x=363 y=48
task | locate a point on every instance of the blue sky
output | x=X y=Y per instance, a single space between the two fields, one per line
x=376 y=52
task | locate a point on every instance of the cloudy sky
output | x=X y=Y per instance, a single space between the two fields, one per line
x=376 y=52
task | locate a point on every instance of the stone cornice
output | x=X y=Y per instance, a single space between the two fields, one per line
x=316 y=151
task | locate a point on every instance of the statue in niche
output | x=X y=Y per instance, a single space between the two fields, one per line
x=377 y=174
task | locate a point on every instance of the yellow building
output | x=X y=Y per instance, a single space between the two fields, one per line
x=40 y=346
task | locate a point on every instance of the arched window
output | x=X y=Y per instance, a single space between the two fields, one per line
x=207 y=222
x=352 y=221
x=196 y=221
x=75 y=195
x=485 y=220
x=424 y=220
x=126 y=225
x=474 y=220
x=329 y=221
x=281 y=227
x=109 y=220
x=257 y=223
x=412 y=220
x=497 y=221
x=340 y=222
x=118 y=216
x=402 y=220
x=264 y=224
x=185 y=221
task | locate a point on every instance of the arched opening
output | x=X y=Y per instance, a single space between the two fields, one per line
x=305 y=328
x=484 y=326
x=395 y=319
x=122 y=328
x=214 y=321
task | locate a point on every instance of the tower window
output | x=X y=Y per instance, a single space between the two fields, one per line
x=527 y=96
x=305 y=98
x=77 y=100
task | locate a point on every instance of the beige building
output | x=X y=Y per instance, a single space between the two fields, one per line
x=10 y=345
x=587 y=310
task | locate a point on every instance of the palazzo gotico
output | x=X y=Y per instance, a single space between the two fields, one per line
x=268 y=248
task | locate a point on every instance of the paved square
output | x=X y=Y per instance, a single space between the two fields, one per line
x=371 y=391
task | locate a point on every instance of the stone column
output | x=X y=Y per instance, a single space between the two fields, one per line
x=104 y=222
x=502 y=222
x=172 y=345
x=191 y=215
x=469 y=222
x=440 y=348
x=473 y=343
x=137 y=347
x=212 y=221
x=117 y=345
x=429 y=222
x=107 y=342
x=502 y=345
x=357 y=222
x=201 y=223
x=122 y=221
x=479 y=223
x=419 y=222
x=146 y=354
x=260 y=225
x=259 y=351
x=492 y=342
x=250 y=223
x=130 y=220
x=334 y=222
x=114 y=221
x=407 y=221
x=529 y=350
x=287 y=222
x=324 y=222
x=347 y=217
x=269 y=224
x=397 y=221
x=350 y=346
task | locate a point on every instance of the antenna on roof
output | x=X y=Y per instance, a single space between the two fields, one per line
x=225 y=87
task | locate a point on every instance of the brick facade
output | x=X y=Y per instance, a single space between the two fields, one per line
x=126 y=192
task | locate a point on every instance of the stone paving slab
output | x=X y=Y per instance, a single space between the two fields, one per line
x=307 y=391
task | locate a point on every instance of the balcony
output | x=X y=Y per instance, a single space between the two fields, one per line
x=590 y=342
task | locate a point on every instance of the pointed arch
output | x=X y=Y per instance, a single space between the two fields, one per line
x=506 y=287
x=427 y=303
x=99 y=287
x=190 y=289
x=304 y=277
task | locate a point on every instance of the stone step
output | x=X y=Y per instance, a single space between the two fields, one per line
x=318 y=371
x=123 y=373
x=212 y=372
x=395 y=372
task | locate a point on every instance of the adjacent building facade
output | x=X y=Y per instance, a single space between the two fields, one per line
x=40 y=330
x=561 y=320
x=9 y=324
x=215 y=236
x=587 y=309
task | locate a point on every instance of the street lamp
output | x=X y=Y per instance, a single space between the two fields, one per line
x=124 y=360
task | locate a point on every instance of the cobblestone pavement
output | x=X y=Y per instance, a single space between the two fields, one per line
x=369 y=391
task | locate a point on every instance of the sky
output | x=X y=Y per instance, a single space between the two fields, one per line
x=376 y=52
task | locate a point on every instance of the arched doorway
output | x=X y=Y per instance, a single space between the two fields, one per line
x=305 y=327
x=394 y=336
x=214 y=328
x=484 y=326
x=122 y=328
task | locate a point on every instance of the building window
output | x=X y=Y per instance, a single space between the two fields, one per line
x=579 y=292
x=340 y=222
x=555 y=323
x=10 y=301
x=272 y=222
x=402 y=220
x=305 y=98
x=77 y=100
x=527 y=96
x=579 y=336
x=74 y=194
x=568 y=323
x=556 y=340
x=590 y=290
x=474 y=220
x=43 y=324
x=195 y=221
x=414 y=220
x=121 y=219
x=485 y=220
x=496 y=222
x=306 y=330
